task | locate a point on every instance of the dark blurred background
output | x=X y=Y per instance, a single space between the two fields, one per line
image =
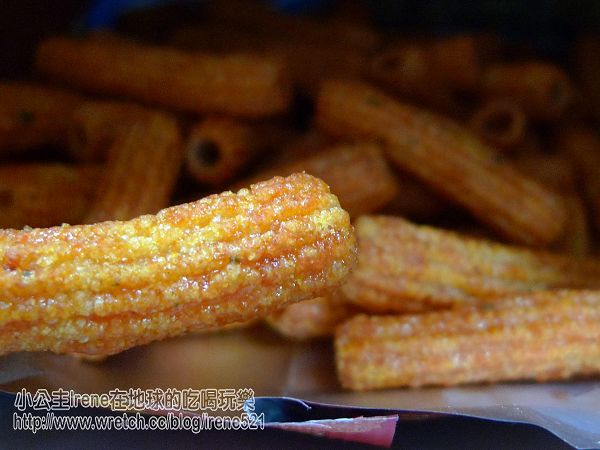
x=547 y=26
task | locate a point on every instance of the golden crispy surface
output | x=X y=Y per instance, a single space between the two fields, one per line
x=240 y=84
x=102 y=288
x=541 y=336
x=447 y=158
x=404 y=267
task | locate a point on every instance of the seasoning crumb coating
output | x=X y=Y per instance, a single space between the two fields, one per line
x=410 y=268
x=232 y=257
x=550 y=335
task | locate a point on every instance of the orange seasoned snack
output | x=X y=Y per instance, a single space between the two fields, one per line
x=542 y=336
x=501 y=123
x=32 y=115
x=408 y=268
x=357 y=173
x=242 y=84
x=96 y=124
x=141 y=171
x=218 y=148
x=542 y=89
x=556 y=170
x=307 y=64
x=446 y=157
x=311 y=319
x=103 y=288
x=44 y=195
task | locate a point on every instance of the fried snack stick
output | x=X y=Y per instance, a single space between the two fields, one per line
x=582 y=145
x=542 y=89
x=103 y=288
x=357 y=173
x=96 y=124
x=556 y=170
x=446 y=157
x=311 y=319
x=432 y=72
x=44 y=195
x=559 y=172
x=307 y=64
x=501 y=123
x=242 y=85
x=31 y=116
x=409 y=268
x=141 y=171
x=543 y=336
x=217 y=149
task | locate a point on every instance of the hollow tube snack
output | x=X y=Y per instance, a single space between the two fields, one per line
x=311 y=319
x=550 y=335
x=542 y=89
x=357 y=173
x=44 y=195
x=448 y=158
x=218 y=148
x=501 y=123
x=140 y=174
x=558 y=171
x=582 y=145
x=103 y=288
x=96 y=124
x=409 y=268
x=32 y=115
x=243 y=85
